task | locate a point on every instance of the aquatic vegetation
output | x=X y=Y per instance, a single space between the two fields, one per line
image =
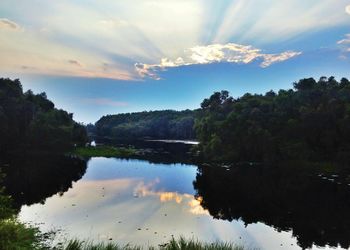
x=191 y=244
x=81 y=245
x=174 y=244
x=104 y=151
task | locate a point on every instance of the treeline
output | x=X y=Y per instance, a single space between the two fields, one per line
x=166 y=124
x=31 y=121
x=309 y=122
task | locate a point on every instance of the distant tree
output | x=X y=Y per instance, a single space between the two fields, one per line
x=166 y=124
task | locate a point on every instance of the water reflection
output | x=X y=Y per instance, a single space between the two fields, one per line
x=133 y=201
x=144 y=202
x=32 y=178
x=314 y=209
x=158 y=151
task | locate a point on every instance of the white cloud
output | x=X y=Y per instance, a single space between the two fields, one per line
x=215 y=53
x=347 y=9
x=269 y=59
x=39 y=55
x=111 y=23
x=120 y=33
x=148 y=70
x=344 y=46
x=266 y=21
x=8 y=24
x=346 y=40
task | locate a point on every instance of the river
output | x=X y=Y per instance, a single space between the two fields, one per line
x=148 y=201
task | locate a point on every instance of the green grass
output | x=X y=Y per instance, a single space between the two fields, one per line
x=15 y=235
x=81 y=245
x=184 y=244
x=180 y=244
x=104 y=151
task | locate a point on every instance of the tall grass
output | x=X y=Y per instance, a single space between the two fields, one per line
x=179 y=244
x=185 y=244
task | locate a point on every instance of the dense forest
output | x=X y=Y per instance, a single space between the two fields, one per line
x=165 y=124
x=31 y=121
x=309 y=122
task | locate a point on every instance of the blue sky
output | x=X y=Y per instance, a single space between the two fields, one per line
x=97 y=57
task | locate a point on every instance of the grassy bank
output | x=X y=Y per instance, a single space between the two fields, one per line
x=180 y=244
x=13 y=234
x=104 y=151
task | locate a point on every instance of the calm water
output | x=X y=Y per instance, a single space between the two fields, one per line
x=140 y=202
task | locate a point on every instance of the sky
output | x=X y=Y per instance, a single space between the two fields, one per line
x=99 y=57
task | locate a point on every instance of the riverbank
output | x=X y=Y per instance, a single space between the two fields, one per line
x=104 y=151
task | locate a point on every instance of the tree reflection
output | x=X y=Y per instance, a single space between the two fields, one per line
x=31 y=179
x=315 y=208
x=157 y=152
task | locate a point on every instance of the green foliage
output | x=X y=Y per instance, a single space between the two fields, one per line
x=15 y=235
x=30 y=120
x=166 y=124
x=104 y=151
x=6 y=212
x=310 y=122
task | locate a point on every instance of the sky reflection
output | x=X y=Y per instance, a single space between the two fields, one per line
x=141 y=203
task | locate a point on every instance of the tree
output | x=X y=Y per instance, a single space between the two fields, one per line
x=29 y=120
x=165 y=124
x=309 y=123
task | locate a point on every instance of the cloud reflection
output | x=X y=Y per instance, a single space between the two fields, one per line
x=187 y=201
x=137 y=205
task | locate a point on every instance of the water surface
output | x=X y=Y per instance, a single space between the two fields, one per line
x=138 y=202
x=160 y=194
